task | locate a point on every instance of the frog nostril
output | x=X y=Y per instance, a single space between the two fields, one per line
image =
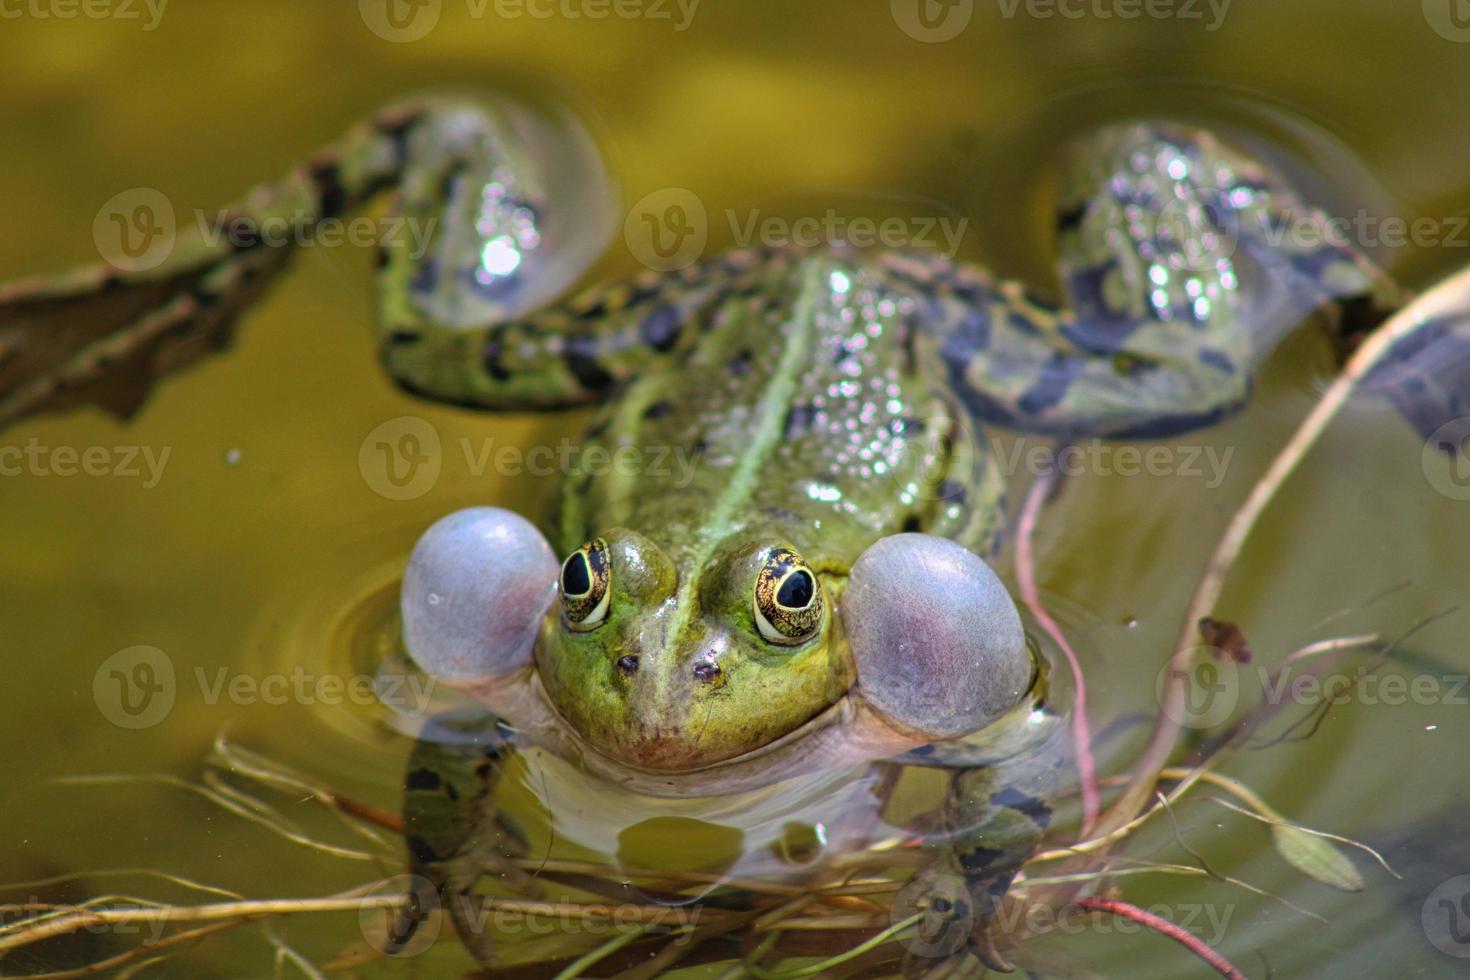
x=628 y=665
x=706 y=671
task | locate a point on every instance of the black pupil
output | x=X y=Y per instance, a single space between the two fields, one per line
x=574 y=577
x=796 y=591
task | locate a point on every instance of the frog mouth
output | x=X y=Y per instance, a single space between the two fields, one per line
x=845 y=732
x=679 y=750
x=841 y=733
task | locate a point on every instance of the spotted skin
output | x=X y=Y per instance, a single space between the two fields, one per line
x=830 y=398
x=997 y=814
x=1176 y=259
x=451 y=827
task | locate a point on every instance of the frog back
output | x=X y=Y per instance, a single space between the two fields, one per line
x=799 y=410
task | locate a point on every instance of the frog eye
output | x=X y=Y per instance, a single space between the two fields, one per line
x=585 y=577
x=788 y=599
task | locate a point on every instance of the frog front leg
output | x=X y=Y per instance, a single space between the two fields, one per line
x=994 y=817
x=576 y=352
x=940 y=650
x=477 y=590
x=453 y=831
x=1183 y=262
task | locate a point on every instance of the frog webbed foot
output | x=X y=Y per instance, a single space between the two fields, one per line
x=455 y=832
x=952 y=935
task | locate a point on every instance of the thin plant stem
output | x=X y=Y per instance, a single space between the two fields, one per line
x=1164 y=927
x=1031 y=596
x=813 y=969
x=574 y=969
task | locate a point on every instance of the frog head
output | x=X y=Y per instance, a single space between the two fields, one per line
x=665 y=671
x=750 y=646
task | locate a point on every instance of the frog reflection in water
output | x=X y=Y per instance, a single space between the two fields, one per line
x=813 y=593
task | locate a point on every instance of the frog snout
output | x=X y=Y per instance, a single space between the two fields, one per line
x=706 y=670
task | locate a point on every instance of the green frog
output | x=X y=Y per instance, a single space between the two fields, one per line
x=816 y=593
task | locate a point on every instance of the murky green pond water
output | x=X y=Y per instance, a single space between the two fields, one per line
x=237 y=530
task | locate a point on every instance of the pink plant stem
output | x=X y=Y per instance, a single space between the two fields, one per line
x=1179 y=934
x=1031 y=596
